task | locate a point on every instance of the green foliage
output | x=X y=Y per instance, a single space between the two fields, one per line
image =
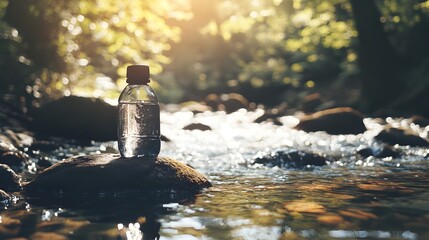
x=74 y=42
x=193 y=47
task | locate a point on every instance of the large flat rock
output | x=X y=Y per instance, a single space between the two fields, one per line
x=110 y=172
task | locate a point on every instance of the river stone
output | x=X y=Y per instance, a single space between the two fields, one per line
x=333 y=121
x=9 y=180
x=403 y=137
x=291 y=159
x=197 y=126
x=79 y=118
x=378 y=152
x=232 y=102
x=110 y=172
x=270 y=115
x=13 y=158
x=3 y=197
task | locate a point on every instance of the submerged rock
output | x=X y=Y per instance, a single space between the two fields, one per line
x=403 y=137
x=13 y=158
x=3 y=196
x=110 y=172
x=79 y=118
x=9 y=180
x=378 y=152
x=197 y=126
x=291 y=159
x=333 y=121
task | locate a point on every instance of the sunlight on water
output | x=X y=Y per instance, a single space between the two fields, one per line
x=353 y=197
x=235 y=140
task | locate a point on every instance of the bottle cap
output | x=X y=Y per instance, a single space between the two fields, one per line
x=138 y=74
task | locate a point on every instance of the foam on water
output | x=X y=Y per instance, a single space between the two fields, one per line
x=235 y=140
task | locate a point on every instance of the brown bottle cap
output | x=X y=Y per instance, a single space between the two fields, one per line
x=138 y=74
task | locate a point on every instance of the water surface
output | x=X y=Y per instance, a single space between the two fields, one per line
x=350 y=198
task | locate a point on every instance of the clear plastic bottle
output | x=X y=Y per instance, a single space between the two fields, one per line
x=138 y=125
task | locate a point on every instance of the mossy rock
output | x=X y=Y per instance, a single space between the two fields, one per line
x=110 y=172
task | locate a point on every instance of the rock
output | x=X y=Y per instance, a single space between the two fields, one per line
x=291 y=159
x=79 y=118
x=110 y=172
x=311 y=102
x=13 y=158
x=333 y=121
x=420 y=120
x=213 y=101
x=403 y=137
x=197 y=126
x=195 y=107
x=44 y=163
x=9 y=227
x=19 y=139
x=232 y=102
x=4 y=197
x=9 y=180
x=45 y=146
x=270 y=115
x=378 y=152
x=47 y=235
x=165 y=139
x=6 y=145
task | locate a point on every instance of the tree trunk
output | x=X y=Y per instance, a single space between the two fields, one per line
x=378 y=61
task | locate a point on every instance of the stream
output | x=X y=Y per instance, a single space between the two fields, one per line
x=352 y=197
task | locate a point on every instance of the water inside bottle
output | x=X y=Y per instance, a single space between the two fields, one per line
x=139 y=129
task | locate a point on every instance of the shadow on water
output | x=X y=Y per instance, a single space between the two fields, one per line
x=107 y=215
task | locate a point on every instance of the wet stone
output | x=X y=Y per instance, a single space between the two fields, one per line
x=195 y=107
x=3 y=197
x=9 y=180
x=270 y=115
x=44 y=163
x=291 y=159
x=232 y=102
x=165 y=139
x=110 y=172
x=197 y=126
x=333 y=121
x=45 y=146
x=95 y=119
x=13 y=158
x=378 y=152
x=403 y=137
x=19 y=139
x=47 y=235
x=6 y=145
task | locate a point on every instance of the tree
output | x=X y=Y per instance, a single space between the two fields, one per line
x=378 y=61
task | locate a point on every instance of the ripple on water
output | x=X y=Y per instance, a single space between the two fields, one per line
x=352 y=197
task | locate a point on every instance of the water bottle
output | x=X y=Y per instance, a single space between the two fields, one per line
x=138 y=125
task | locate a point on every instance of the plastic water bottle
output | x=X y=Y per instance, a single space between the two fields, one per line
x=138 y=125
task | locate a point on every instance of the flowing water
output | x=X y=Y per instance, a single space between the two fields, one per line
x=350 y=198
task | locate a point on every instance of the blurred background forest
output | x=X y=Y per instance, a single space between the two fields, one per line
x=369 y=54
